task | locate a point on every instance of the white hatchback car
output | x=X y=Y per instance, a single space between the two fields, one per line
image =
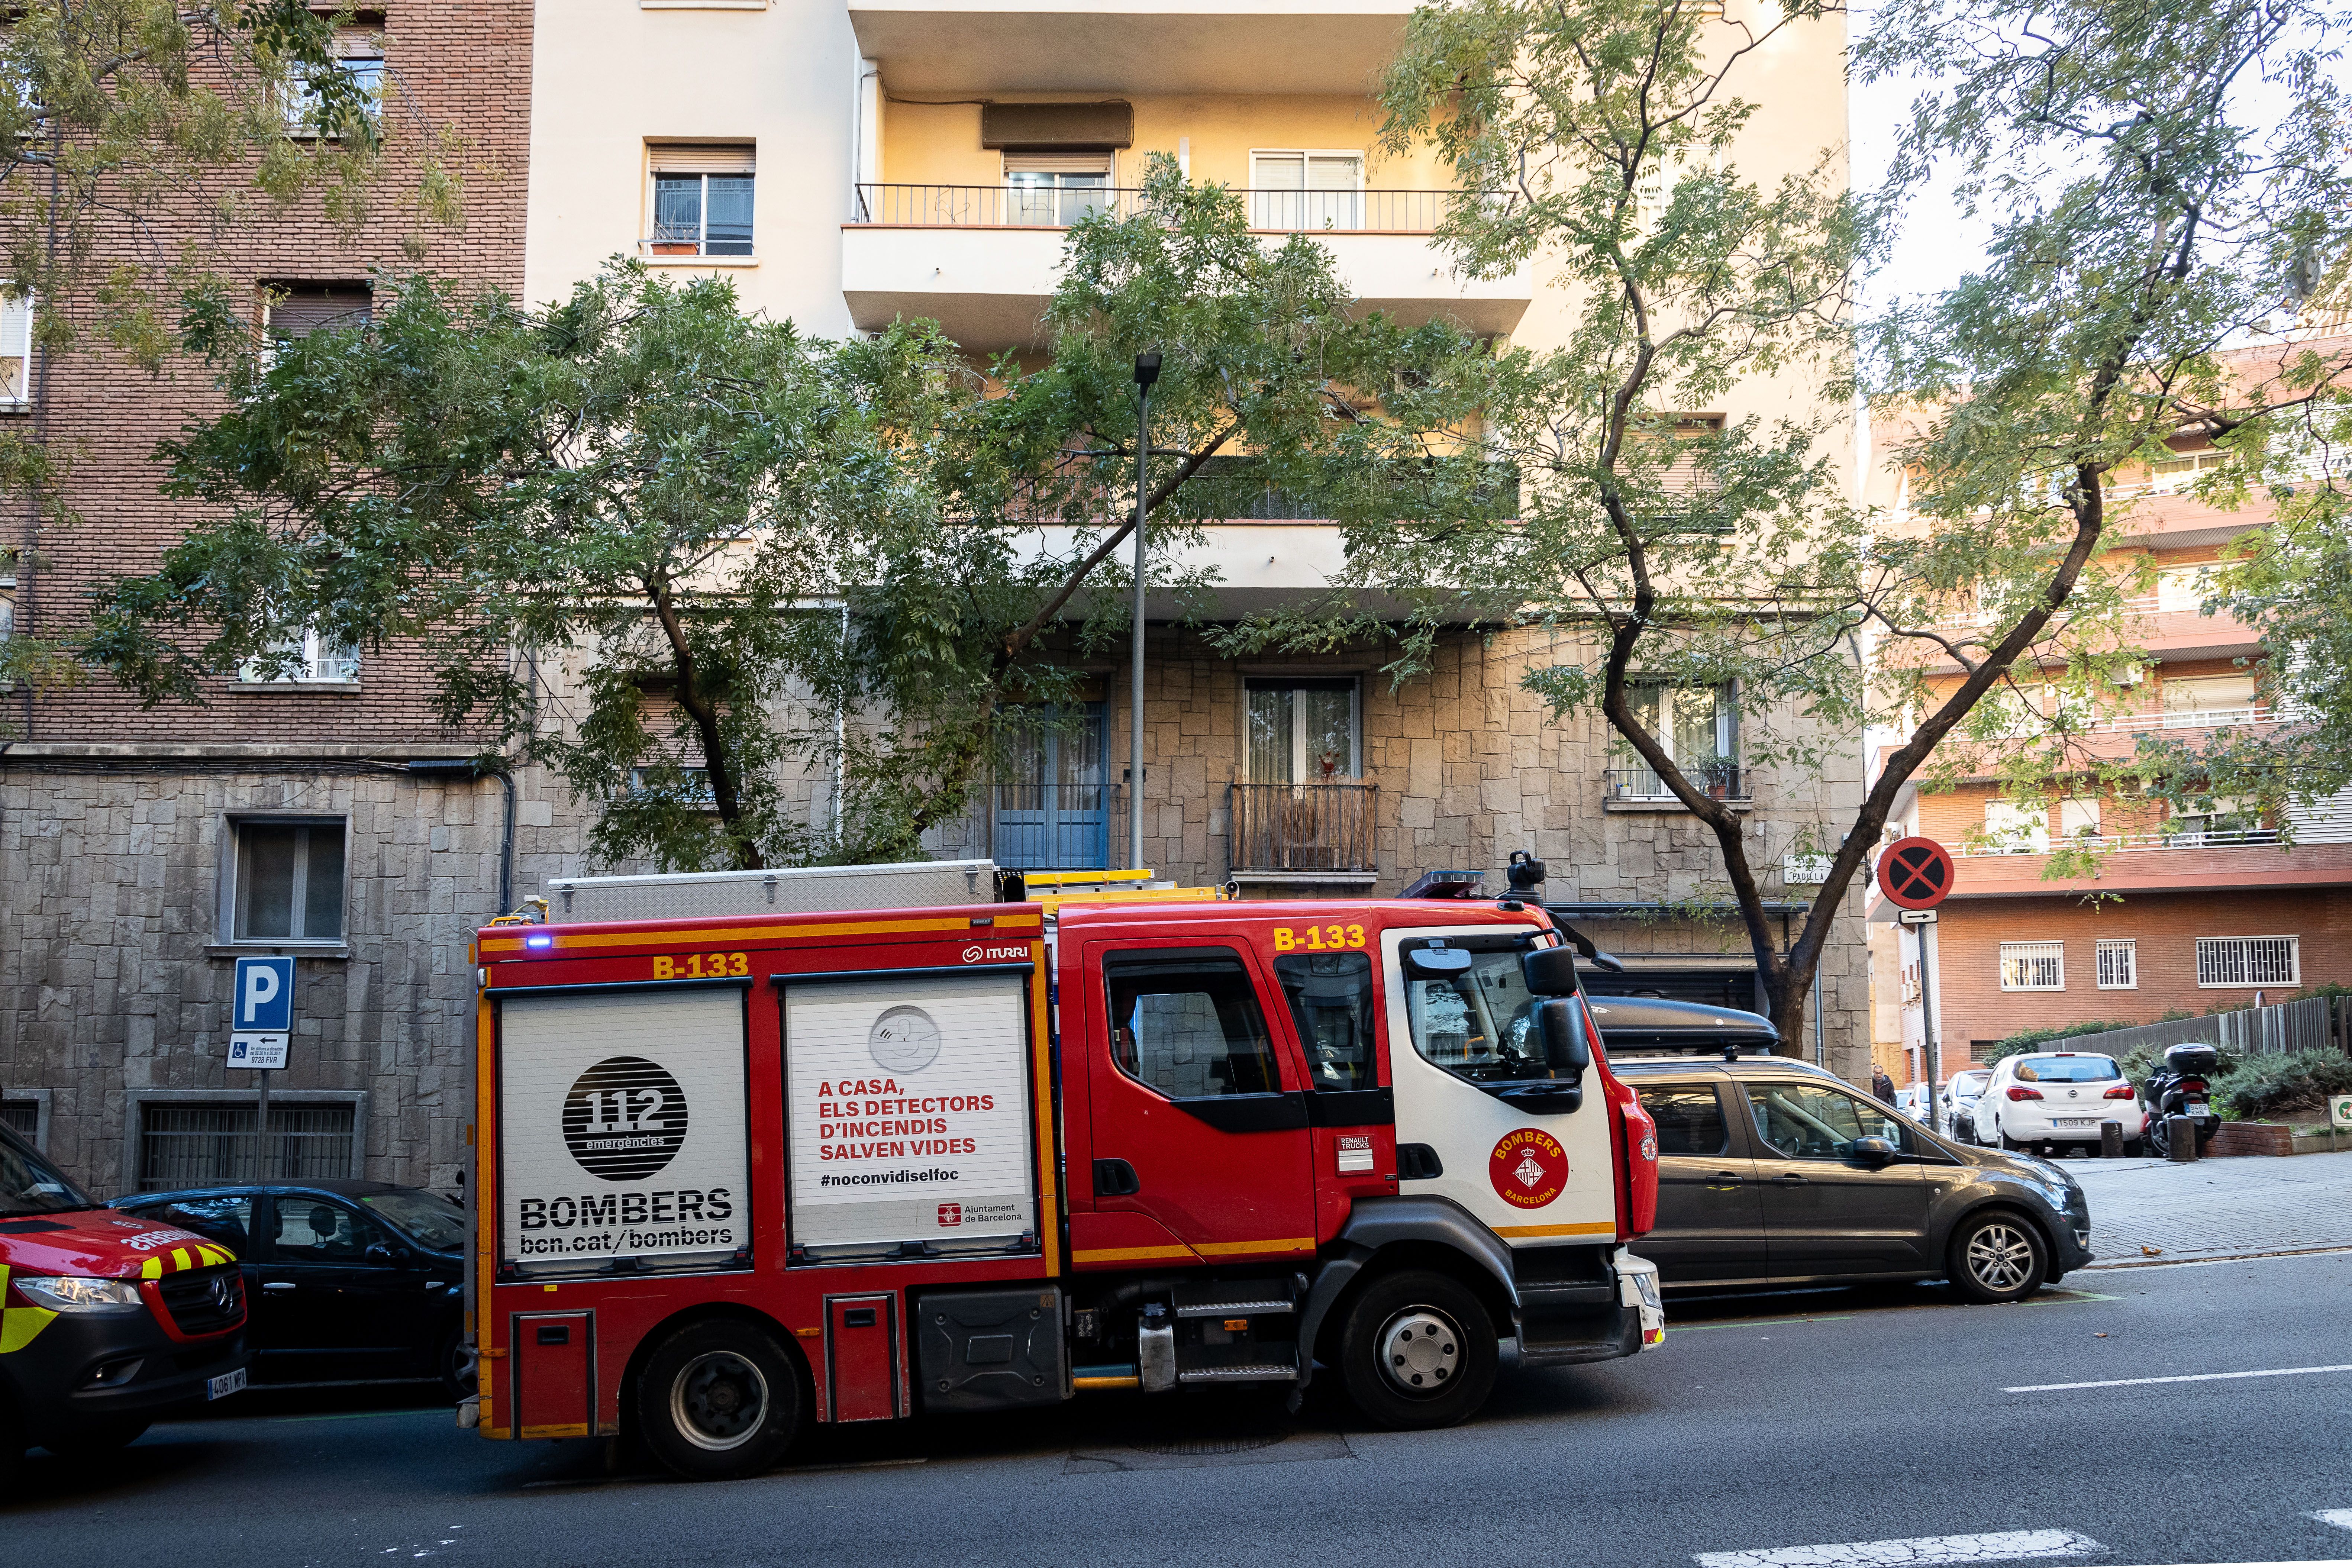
x=2060 y=1098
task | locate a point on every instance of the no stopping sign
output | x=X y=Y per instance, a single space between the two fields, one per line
x=1915 y=873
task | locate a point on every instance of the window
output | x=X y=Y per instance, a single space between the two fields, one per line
x=1690 y=1120
x=2014 y=829
x=16 y=350
x=2234 y=819
x=1188 y=1026
x=1305 y=190
x=297 y=309
x=2180 y=471
x=1330 y=996
x=309 y=659
x=289 y=880
x=2078 y=819
x=1698 y=726
x=227 y=1219
x=30 y=1184
x=360 y=63
x=689 y=784
x=2201 y=701
x=312 y=1230
x=2033 y=966
x=1806 y=1121
x=702 y=201
x=2249 y=961
x=2068 y=1069
x=1479 y=1023
x=199 y=1143
x=1055 y=190
x=1051 y=808
x=2118 y=964
x=1688 y=474
x=430 y=1219
x=22 y=1117
x=1301 y=732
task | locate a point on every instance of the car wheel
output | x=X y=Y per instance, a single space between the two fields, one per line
x=455 y=1362
x=2011 y=1145
x=2159 y=1143
x=1418 y=1351
x=718 y=1401
x=97 y=1439
x=1997 y=1257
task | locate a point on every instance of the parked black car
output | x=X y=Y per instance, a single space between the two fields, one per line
x=350 y=1281
x=1772 y=1171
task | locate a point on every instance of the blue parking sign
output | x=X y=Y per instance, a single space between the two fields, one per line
x=264 y=1001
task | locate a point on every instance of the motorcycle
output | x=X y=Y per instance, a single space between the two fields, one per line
x=2177 y=1088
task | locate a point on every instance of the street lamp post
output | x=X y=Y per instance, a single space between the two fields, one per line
x=1147 y=371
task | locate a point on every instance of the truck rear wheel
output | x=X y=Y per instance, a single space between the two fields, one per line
x=718 y=1401
x=1418 y=1350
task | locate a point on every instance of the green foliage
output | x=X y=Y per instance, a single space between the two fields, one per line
x=2282 y=1087
x=2025 y=1041
x=681 y=555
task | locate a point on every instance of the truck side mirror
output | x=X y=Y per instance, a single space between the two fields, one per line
x=1564 y=1046
x=1550 y=970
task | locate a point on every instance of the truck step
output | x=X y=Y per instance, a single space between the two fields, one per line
x=1235 y=1298
x=1266 y=1373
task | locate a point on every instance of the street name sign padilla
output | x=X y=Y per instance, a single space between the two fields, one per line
x=1915 y=873
x=261 y=1013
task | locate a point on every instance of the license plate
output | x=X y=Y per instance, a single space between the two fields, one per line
x=224 y=1385
x=2072 y=1121
x=2197 y=1108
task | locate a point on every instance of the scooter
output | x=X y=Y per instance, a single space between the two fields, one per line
x=2178 y=1087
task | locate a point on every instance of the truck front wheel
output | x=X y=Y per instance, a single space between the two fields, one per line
x=1418 y=1350
x=718 y=1401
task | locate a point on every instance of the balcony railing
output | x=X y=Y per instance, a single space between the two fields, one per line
x=2137 y=723
x=2188 y=838
x=1719 y=779
x=1303 y=827
x=1034 y=206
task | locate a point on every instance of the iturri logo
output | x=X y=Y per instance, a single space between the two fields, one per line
x=950 y=1214
x=625 y=1119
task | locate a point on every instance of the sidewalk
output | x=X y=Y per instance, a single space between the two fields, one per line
x=2216 y=1208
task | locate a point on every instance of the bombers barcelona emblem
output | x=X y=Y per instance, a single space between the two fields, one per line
x=1528 y=1168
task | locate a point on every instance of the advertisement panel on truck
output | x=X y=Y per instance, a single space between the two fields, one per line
x=622 y=1127
x=909 y=1113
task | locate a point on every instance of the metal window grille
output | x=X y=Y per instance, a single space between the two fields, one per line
x=199 y=1145
x=2033 y=966
x=2119 y=965
x=2249 y=961
x=22 y=1117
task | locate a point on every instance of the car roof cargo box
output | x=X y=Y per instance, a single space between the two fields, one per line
x=1631 y=1025
x=687 y=895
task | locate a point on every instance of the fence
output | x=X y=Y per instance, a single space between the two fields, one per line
x=1058 y=206
x=1303 y=827
x=2314 y=1024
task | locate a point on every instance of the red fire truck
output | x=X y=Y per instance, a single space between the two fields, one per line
x=745 y=1172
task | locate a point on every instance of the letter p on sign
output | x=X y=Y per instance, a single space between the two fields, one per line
x=264 y=994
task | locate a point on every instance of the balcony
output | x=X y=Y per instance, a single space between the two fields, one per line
x=1320 y=46
x=981 y=261
x=1308 y=832
x=1637 y=786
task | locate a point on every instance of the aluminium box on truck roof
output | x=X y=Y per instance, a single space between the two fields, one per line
x=688 y=895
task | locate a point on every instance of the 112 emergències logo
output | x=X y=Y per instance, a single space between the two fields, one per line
x=625 y=1119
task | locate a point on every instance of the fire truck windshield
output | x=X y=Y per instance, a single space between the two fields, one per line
x=30 y=1184
x=1479 y=1023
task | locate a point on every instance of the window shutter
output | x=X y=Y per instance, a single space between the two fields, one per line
x=16 y=327
x=1030 y=161
x=304 y=310
x=705 y=158
x=1108 y=124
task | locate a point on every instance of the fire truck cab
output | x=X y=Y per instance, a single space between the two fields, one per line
x=744 y=1173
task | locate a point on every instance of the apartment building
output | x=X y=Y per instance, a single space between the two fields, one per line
x=323 y=814
x=843 y=166
x=2187 y=914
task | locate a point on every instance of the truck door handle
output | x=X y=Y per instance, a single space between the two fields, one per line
x=277 y=1284
x=1115 y=1179
x=1789 y=1181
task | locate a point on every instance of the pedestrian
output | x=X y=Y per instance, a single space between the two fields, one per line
x=1882 y=1088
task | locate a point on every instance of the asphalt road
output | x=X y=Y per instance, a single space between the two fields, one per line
x=1766 y=1422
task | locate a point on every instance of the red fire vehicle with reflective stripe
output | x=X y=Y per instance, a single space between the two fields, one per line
x=747 y=1172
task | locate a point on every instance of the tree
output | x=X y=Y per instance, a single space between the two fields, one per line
x=2138 y=222
x=749 y=550
x=138 y=139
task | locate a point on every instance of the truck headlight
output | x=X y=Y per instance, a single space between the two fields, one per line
x=73 y=1293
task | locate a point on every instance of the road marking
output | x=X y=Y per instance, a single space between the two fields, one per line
x=1921 y=1552
x=2341 y=1517
x=2186 y=1377
x=1759 y=1322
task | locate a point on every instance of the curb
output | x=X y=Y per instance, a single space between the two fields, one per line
x=2214 y=1257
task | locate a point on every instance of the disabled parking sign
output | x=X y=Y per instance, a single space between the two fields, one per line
x=261 y=1013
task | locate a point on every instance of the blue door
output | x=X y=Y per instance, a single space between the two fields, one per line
x=1051 y=813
